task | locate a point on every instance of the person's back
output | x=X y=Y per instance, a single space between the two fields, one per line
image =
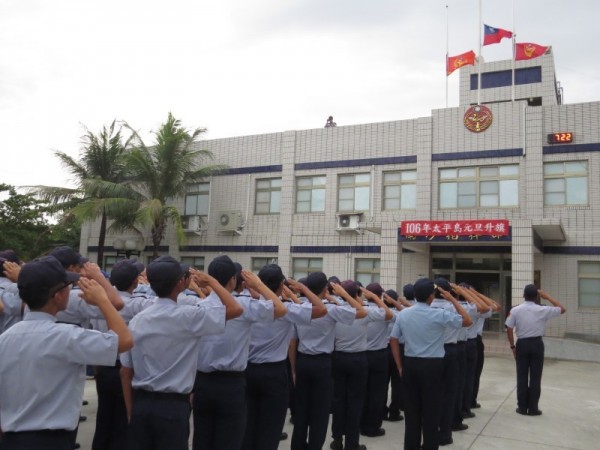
x=46 y=359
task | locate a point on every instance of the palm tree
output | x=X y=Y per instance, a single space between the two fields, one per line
x=101 y=164
x=161 y=173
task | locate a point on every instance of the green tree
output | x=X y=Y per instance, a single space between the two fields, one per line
x=161 y=173
x=25 y=226
x=100 y=165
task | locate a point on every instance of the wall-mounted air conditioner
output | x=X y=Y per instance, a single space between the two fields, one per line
x=348 y=221
x=229 y=221
x=192 y=224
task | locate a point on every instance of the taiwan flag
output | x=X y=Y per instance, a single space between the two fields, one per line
x=525 y=50
x=456 y=62
x=493 y=35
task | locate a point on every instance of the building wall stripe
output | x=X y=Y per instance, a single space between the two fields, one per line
x=231 y=248
x=477 y=154
x=570 y=148
x=356 y=162
x=573 y=250
x=336 y=249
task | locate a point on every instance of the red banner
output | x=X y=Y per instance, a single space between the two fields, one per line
x=455 y=228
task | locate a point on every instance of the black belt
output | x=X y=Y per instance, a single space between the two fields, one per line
x=535 y=338
x=318 y=355
x=450 y=344
x=222 y=373
x=141 y=393
x=417 y=358
x=40 y=433
x=268 y=364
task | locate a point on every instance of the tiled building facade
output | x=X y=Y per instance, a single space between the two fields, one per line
x=333 y=199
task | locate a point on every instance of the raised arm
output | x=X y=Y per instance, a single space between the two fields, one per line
x=466 y=319
x=361 y=313
x=375 y=299
x=232 y=307
x=253 y=282
x=552 y=300
x=92 y=271
x=94 y=294
x=318 y=307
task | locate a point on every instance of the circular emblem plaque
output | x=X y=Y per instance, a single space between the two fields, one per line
x=478 y=118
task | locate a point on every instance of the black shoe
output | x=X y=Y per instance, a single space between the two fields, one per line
x=77 y=445
x=394 y=417
x=446 y=441
x=85 y=403
x=82 y=418
x=475 y=405
x=460 y=427
x=521 y=411
x=283 y=436
x=336 y=444
x=468 y=414
x=376 y=433
x=537 y=412
x=360 y=447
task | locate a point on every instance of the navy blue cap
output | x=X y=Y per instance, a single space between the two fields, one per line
x=423 y=288
x=163 y=271
x=272 y=276
x=124 y=273
x=68 y=257
x=10 y=255
x=41 y=275
x=408 y=291
x=443 y=283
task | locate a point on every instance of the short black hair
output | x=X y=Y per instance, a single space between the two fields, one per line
x=272 y=276
x=316 y=282
x=222 y=269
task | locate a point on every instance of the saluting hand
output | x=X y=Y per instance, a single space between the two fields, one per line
x=91 y=270
x=11 y=270
x=202 y=279
x=92 y=292
x=252 y=280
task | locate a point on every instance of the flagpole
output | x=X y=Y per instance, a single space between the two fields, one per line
x=447 y=53
x=514 y=55
x=480 y=58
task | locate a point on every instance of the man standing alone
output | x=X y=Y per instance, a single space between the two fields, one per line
x=530 y=319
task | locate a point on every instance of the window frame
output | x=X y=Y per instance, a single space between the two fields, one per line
x=564 y=175
x=354 y=186
x=400 y=183
x=267 y=190
x=193 y=261
x=308 y=266
x=587 y=276
x=310 y=189
x=194 y=191
x=374 y=273
x=471 y=186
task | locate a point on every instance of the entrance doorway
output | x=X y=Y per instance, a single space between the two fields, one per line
x=489 y=285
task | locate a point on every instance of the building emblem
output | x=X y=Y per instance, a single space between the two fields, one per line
x=478 y=118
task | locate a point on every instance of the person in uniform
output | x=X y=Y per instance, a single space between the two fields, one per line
x=314 y=385
x=220 y=390
x=46 y=360
x=11 y=305
x=423 y=329
x=267 y=374
x=378 y=338
x=158 y=373
x=350 y=368
x=529 y=319
x=111 y=416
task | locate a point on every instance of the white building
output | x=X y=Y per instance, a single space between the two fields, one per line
x=335 y=199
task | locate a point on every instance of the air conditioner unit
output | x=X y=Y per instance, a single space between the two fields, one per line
x=229 y=221
x=348 y=222
x=192 y=224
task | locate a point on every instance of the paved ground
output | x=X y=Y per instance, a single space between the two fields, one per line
x=570 y=403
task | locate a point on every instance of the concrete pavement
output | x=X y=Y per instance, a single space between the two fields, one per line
x=570 y=403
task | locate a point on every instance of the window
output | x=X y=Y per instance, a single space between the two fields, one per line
x=367 y=270
x=260 y=262
x=301 y=267
x=109 y=262
x=479 y=187
x=268 y=196
x=354 y=192
x=197 y=200
x=566 y=183
x=589 y=284
x=310 y=194
x=400 y=190
x=195 y=261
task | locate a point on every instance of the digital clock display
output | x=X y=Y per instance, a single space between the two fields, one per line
x=564 y=137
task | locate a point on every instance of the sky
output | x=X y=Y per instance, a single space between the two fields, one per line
x=243 y=67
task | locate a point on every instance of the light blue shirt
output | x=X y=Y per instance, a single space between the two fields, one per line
x=471 y=310
x=132 y=307
x=42 y=369
x=450 y=334
x=529 y=319
x=167 y=341
x=354 y=338
x=378 y=331
x=319 y=336
x=229 y=351
x=78 y=312
x=269 y=341
x=9 y=296
x=423 y=329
